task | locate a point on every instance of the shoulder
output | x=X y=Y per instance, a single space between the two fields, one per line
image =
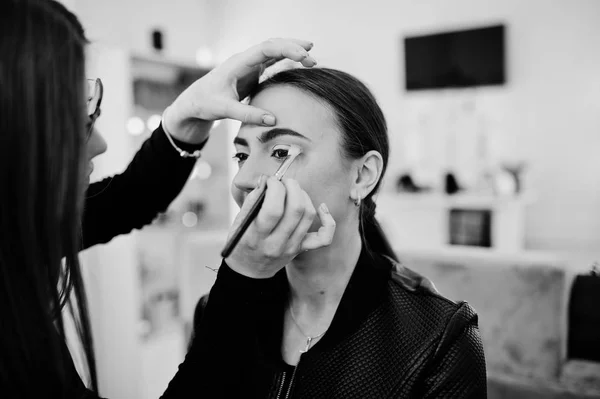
x=417 y=298
x=199 y=310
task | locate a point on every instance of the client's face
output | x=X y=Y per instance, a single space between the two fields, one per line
x=303 y=121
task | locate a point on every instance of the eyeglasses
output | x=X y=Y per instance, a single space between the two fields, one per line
x=94 y=99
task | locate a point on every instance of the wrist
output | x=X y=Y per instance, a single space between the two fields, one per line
x=231 y=284
x=190 y=130
x=243 y=269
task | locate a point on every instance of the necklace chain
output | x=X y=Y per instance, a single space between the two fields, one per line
x=309 y=339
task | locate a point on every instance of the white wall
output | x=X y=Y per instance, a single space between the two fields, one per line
x=548 y=114
x=128 y=25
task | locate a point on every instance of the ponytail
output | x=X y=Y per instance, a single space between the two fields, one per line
x=373 y=236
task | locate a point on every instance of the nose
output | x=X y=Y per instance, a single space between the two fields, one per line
x=247 y=177
x=96 y=144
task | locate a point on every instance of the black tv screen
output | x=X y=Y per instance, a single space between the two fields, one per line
x=465 y=58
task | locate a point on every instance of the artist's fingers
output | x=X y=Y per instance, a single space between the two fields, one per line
x=324 y=236
x=233 y=109
x=295 y=207
x=249 y=203
x=272 y=209
x=297 y=237
x=278 y=49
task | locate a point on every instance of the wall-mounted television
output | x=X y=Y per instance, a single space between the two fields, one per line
x=455 y=59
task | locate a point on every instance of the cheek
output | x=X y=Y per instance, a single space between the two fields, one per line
x=325 y=182
x=95 y=145
x=331 y=190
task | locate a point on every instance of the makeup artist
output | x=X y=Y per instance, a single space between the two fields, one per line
x=47 y=142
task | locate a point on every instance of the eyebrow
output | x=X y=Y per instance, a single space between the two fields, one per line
x=271 y=134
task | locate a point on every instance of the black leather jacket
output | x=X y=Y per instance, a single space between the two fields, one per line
x=393 y=336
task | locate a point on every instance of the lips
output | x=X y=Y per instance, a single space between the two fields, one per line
x=90 y=168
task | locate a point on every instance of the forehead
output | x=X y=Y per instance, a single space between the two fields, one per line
x=296 y=110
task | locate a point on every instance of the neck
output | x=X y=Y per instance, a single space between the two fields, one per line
x=319 y=278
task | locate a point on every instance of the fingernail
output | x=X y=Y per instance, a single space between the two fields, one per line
x=313 y=60
x=268 y=120
x=310 y=45
x=324 y=208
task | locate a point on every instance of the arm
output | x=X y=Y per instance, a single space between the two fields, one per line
x=219 y=342
x=157 y=173
x=132 y=199
x=458 y=368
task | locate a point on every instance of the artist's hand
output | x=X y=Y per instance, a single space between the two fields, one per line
x=280 y=230
x=217 y=94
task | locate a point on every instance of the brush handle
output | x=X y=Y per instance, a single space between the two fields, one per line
x=235 y=238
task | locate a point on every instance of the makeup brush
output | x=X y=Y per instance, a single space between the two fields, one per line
x=293 y=152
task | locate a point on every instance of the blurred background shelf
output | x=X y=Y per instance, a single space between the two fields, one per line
x=433 y=220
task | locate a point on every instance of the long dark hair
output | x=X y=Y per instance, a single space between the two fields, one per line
x=363 y=129
x=42 y=149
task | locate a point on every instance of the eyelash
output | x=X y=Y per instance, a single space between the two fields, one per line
x=240 y=157
x=278 y=153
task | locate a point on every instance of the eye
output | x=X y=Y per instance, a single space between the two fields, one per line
x=280 y=152
x=240 y=157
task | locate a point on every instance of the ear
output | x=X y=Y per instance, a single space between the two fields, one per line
x=368 y=172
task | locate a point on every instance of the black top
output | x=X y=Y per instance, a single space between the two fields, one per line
x=392 y=336
x=132 y=199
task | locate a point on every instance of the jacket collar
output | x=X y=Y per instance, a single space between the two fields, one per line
x=366 y=290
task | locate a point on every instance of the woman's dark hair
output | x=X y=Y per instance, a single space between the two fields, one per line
x=363 y=129
x=42 y=150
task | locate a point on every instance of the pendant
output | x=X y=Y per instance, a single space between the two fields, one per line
x=308 y=342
